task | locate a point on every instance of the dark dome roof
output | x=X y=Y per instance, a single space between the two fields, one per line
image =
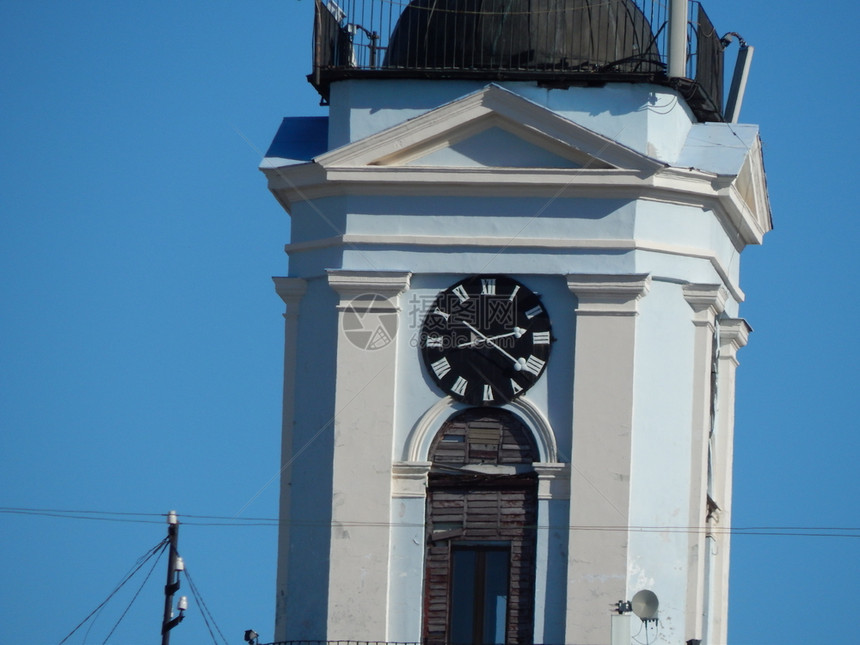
x=539 y=35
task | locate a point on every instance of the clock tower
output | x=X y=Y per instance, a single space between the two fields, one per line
x=512 y=323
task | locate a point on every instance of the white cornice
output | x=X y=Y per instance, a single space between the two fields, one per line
x=608 y=295
x=707 y=301
x=376 y=166
x=669 y=185
x=734 y=334
x=378 y=291
x=351 y=282
x=290 y=290
x=580 y=245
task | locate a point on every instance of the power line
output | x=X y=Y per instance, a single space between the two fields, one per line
x=134 y=597
x=85 y=515
x=246 y=522
x=204 y=610
x=156 y=550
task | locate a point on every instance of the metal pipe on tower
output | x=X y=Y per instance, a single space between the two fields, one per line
x=677 y=38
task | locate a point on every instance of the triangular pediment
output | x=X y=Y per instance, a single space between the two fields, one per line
x=751 y=187
x=492 y=142
x=491 y=128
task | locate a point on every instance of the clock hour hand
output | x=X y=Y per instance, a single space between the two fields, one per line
x=518 y=332
x=518 y=363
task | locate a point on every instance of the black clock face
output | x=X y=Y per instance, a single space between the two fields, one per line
x=486 y=340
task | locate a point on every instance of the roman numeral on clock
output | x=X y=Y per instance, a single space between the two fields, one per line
x=441 y=367
x=540 y=338
x=433 y=341
x=534 y=365
x=439 y=312
x=485 y=340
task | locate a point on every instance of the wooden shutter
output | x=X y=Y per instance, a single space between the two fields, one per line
x=478 y=508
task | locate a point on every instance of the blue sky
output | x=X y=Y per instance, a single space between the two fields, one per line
x=141 y=338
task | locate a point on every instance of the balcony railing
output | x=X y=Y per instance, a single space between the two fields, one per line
x=342 y=643
x=704 y=66
x=364 y=643
x=554 y=41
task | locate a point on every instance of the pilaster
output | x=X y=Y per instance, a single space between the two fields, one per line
x=291 y=291
x=368 y=320
x=733 y=334
x=707 y=302
x=605 y=336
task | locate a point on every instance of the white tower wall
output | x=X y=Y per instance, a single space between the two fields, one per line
x=628 y=218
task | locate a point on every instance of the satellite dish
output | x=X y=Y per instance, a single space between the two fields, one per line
x=645 y=604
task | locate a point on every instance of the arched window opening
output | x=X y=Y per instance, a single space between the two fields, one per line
x=481 y=516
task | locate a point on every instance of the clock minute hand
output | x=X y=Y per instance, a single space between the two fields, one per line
x=489 y=341
x=486 y=339
x=471 y=343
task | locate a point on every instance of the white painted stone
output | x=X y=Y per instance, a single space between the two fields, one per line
x=628 y=218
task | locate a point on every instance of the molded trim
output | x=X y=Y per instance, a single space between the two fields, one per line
x=417 y=445
x=434 y=129
x=378 y=291
x=537 y=243
x=608 y=295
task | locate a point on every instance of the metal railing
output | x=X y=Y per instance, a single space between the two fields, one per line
x=549 y=40
x=343 y=643
x=306 y=642
x=705 y=57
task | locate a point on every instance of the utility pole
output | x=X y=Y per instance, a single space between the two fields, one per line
x=174 y=567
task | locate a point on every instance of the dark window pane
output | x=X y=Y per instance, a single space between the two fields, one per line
x=495 y=595
x=479 y=595
x=463 y=596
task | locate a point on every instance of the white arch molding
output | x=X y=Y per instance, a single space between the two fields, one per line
x=410 y=474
